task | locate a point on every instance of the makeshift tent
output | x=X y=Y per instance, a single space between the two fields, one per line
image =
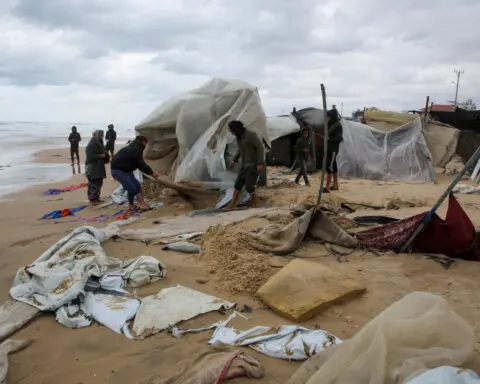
x=283 y=132
x=189 y=137
x=407 y=153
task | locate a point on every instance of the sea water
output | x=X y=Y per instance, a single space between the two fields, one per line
x=19 y=141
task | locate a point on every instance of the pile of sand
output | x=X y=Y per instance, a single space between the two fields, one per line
x=233 y=264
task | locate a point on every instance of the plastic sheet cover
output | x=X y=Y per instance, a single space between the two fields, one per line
x=408 y=338
x=406 y=153
x=401 y=154
x=188 y=135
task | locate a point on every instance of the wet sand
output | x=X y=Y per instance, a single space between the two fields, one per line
x=98 y=355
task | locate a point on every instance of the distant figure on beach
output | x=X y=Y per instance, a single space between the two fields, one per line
x=250 y=150
x=96 y=158
x=334 y=109
x=303 y=152
x=111 y=137
x=74 y=140
x=335 y=137
x=127 y=160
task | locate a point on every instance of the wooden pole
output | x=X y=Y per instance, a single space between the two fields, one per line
x=325 y=144
x=447 y=192
x=425 y=113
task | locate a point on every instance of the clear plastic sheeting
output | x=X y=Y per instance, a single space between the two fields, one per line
x=171 y=306
x=401 y=154
x=280 y=126
x=446 y=375
x=289 y=342
x=188 y=135
x=409 y=337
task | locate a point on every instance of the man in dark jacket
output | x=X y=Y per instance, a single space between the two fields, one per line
x=96 y=158
x=302 y=148
x=111 y=137
x=251 y=151
x=74 y=140
x=335 y=137
x=127 y=160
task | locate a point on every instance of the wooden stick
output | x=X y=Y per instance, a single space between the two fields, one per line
x=445 y=194
x=325 y=144
x=425 y=113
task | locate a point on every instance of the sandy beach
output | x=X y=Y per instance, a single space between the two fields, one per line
x=97 y=355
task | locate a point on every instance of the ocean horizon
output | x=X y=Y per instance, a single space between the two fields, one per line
x=20 y=141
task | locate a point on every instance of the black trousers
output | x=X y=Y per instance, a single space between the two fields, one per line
x=247 y=178
x=332 y=167
x=302 y=171
x=73 y=153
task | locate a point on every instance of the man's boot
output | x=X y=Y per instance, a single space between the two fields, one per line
x=233 y=203
x=326 y=189
x=253 y=200
x=335 y=182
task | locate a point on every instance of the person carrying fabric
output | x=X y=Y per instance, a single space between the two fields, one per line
x=251 y=153
x=302 y=148
x=127 y=160
x=96 y=158
x=111 y=137
x=335 y=137
x=74 y=138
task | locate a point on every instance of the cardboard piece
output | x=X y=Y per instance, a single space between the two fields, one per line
x=303 y=289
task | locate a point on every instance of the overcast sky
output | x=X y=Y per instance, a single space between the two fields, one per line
x=115 y=60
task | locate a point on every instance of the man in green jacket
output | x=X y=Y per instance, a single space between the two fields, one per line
x=251 y=153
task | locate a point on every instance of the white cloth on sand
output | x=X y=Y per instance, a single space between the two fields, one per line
x=79 y=281
x=171 y=306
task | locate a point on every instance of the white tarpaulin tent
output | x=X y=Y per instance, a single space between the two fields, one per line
x=188 y=135
x=407 y=153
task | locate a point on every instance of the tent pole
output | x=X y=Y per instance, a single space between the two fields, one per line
x=325 y=144
x=447 y=192
x=425 y=113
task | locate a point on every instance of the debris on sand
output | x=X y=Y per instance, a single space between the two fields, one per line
x=232 y=263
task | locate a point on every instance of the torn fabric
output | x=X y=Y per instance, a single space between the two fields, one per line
x=289 y=342
x=455 y=236
x=318 y=225
x=171 y=306
x=77 y=280
x=211 y=366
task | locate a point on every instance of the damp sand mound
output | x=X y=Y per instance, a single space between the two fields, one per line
x=233 y=264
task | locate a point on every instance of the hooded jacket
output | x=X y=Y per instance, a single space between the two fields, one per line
x=335 y=131
x=74 y=139
x=94 y=164
x=130 y=158
x=111 y=135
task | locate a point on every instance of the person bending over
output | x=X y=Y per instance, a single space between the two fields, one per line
x=303 y=152
x=74 y=138
x=335 y=137
x=251 y=153
x=96 y=158
x=127 y=160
